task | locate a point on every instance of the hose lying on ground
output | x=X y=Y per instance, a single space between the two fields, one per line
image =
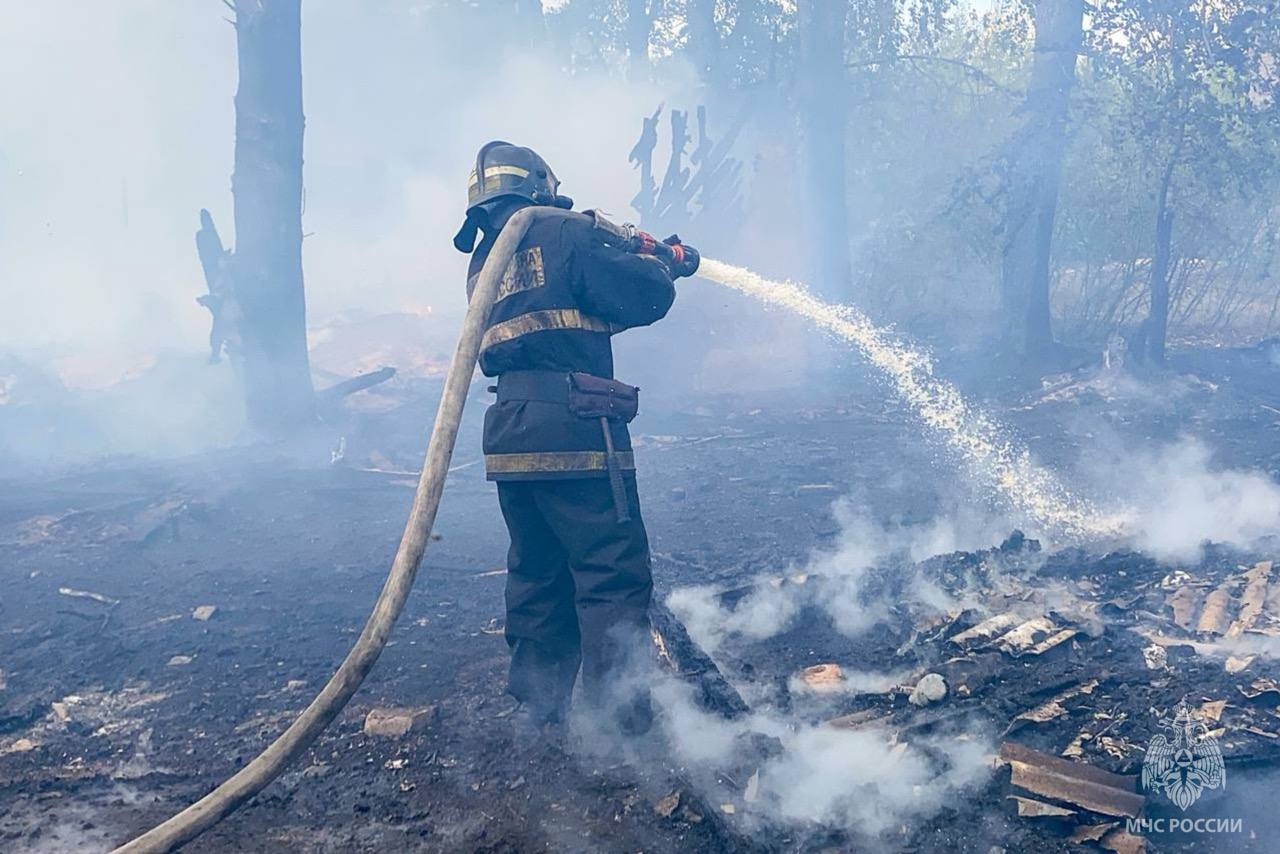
x=255 y=776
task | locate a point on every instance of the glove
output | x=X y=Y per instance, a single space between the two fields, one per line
x=683 y=260
x=679 y=259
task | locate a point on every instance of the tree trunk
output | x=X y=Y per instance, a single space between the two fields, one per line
x=1034 y=167
x=267 y=191
x=639 y=25
x=822 y=129
x=1157 y=325
x=704 y=38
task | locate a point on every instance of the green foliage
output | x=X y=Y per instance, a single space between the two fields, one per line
x=1177 y=101
x=1173 y=94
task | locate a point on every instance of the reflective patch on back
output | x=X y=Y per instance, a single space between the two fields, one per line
x=524 y=272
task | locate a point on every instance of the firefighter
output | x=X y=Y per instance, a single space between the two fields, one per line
x=556 y=439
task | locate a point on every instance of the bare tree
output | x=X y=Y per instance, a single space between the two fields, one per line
x=1032 y=169
x=704 y=38
x=822 y=100
x=639 y=26
x=267 y=189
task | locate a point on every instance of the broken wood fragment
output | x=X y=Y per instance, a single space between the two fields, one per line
x=823 y=678
x=856 y=720
x=1091 y=832
x=1185 y=603
x=666 y=806
x=715 y=692
x=970 y=673
x=1258 y=687
x=1033 y=637
x=1031 y=808
x=1061 y=636
x=86 y=594
x=397 y=723
x=1054 y=707
x=1074 y=783
x=1116 y=748
x=346 y=388
x=1235 y=664
x=1023 y=636
x=986 y=630
x=215 y=261
x=156 y=520
x=1214 y=619
x=1253 y=599
x=1122 y=841
x=664 y=654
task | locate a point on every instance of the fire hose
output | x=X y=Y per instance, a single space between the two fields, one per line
x=268 y=765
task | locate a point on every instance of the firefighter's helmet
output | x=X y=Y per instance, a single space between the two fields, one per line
x=504 y=170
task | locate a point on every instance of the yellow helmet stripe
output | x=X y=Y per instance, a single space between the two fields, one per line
x=492 y=173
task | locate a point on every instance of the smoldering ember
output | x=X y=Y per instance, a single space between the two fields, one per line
x=950 y=520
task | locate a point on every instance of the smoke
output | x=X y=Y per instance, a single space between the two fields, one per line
x=1174 y=499
x=775 y=770
x=866 y=781
x=1177 y=500
x=833 y=579
x=130 y=131
x=107 y=154
x=860 y=780
x=791 y=772
x=172 y=406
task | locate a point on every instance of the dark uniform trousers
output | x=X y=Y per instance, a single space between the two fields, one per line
x=578 y=590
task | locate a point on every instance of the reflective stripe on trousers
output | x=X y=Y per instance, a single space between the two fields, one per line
x=555 y=461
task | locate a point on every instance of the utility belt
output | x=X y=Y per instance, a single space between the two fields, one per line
x=586 y=396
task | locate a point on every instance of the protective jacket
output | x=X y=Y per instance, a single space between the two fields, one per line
x=561 y=298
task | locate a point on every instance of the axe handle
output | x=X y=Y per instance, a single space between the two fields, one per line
x=620 y=503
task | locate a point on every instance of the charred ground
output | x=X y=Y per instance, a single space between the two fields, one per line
x=117 y=710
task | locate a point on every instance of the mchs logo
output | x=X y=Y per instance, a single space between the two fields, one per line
x=1184 y=760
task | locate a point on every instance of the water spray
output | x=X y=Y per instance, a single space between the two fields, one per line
x=982 y=443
